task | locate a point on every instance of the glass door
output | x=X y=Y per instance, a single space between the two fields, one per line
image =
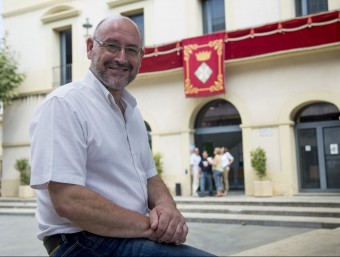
x=309 y=162
x=331 y=136
x=319 y=157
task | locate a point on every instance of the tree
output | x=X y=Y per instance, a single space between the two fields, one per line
x=10 y=78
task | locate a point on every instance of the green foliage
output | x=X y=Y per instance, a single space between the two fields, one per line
x=258 y=162
x=10 y=79
x=23 y=166
x=157 y=158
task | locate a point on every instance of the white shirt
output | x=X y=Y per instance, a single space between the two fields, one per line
x=226 y=159
x=195 y=161
x=79 y=136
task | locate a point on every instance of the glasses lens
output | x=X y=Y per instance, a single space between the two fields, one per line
x=133 y=52
x=113 y=48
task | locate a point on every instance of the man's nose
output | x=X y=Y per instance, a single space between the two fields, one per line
x=121 y=54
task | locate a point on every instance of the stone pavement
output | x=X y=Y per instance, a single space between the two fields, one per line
x=320 y=242
x=18 y=238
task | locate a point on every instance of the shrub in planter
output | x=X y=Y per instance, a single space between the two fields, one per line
x=157 y=157
x=23 y=166
x=258 y=162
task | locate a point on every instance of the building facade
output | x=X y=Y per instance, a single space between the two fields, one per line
x=282 y=94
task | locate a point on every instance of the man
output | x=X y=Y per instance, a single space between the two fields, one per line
x=98 y=189
x=227 y=159
x=205 y=174
x=195 y=159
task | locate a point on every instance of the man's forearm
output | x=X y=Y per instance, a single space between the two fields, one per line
x=158 y=193
x=95 y=214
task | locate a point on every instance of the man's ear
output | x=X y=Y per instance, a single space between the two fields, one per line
x=89 y=47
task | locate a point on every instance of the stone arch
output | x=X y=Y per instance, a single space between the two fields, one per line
x=217 y=113
x=293 y=106
x=234 y=100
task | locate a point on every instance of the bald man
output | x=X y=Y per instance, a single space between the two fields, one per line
x=98 y=192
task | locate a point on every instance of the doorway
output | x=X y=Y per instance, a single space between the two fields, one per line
x=318 y=142
x=217 y=125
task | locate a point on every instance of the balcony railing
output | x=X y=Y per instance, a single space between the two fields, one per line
x=62 y=75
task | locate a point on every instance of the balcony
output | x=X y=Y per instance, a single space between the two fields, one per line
x=62 y=75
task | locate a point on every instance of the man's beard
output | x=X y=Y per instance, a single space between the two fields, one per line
x=114 y=84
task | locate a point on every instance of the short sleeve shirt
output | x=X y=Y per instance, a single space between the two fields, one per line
x=79 y=136
x=194 y=161
x=226 y=159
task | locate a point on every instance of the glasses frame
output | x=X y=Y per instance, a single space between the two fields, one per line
x=107 y=45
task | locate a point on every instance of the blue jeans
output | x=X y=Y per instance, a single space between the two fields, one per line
x=218 y=180
x=86 y=244
x=205 y=178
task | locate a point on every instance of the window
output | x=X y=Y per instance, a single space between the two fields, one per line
x=63 y=74
x=218 y=113
x=66 y=56
x=317 y=112
x=139 y=20
x=306 y=7
x=213 y=16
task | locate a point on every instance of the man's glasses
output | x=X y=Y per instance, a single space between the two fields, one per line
x=115 y=49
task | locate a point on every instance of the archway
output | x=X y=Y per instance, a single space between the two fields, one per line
x=317 y=133
x=218 y=124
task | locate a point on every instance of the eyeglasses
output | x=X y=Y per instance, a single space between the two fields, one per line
x=115 y=49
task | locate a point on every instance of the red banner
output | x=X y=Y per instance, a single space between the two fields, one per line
x=203 y=62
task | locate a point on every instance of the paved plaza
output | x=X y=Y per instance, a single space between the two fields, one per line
x=18 y=238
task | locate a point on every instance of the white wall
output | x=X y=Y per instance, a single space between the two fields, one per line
x=333 y=4
x=250 y=13
x=173 y=16
x=1 y=26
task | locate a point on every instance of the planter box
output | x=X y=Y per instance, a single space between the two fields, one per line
x=25 y=191
x=263 y=188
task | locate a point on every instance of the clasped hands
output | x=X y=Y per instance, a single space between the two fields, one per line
x=167 y=225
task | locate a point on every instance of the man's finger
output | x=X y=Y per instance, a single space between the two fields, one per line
x=154 y=219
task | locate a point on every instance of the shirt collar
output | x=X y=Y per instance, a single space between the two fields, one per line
x=126 y=96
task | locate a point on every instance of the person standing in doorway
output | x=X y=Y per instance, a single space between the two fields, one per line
x=227 y=159
x=195 y=159
x=217 y=171
x=205 y=174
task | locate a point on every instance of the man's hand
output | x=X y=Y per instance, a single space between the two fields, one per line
x=169 y=225
x=166 y=221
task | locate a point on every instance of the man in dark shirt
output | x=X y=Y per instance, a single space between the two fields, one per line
x=205 y=174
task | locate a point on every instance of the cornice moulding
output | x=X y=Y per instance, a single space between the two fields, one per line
x=60 y=15
x=30 y=8
x=117 y=3
x=11 y=145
